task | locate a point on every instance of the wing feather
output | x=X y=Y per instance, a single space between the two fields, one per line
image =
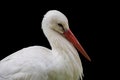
x=24 y=64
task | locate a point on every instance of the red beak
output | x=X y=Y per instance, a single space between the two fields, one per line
x=70 y=36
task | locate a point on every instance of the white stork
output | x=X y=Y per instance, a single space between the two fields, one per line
x=61 y=62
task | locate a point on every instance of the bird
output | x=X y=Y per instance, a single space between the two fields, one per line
x=61 y=62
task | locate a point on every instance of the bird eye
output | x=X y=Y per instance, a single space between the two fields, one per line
x=60 y=25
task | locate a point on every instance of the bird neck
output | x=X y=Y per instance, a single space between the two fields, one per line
x=59 y=43
x=62 y=47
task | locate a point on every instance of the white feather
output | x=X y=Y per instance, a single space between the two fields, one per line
x=40 y=63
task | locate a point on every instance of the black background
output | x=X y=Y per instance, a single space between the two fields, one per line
x=21 y=27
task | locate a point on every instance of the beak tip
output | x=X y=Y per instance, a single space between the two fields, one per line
x=89 y=59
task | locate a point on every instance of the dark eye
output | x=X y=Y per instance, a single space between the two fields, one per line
x=60 y=25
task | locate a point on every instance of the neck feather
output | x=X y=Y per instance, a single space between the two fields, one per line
x=64 y=48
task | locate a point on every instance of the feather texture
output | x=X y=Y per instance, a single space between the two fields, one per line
x=62 y=62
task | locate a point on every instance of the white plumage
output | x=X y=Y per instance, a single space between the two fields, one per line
x=62 y=62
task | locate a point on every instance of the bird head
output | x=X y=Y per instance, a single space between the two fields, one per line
x=58 y=22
